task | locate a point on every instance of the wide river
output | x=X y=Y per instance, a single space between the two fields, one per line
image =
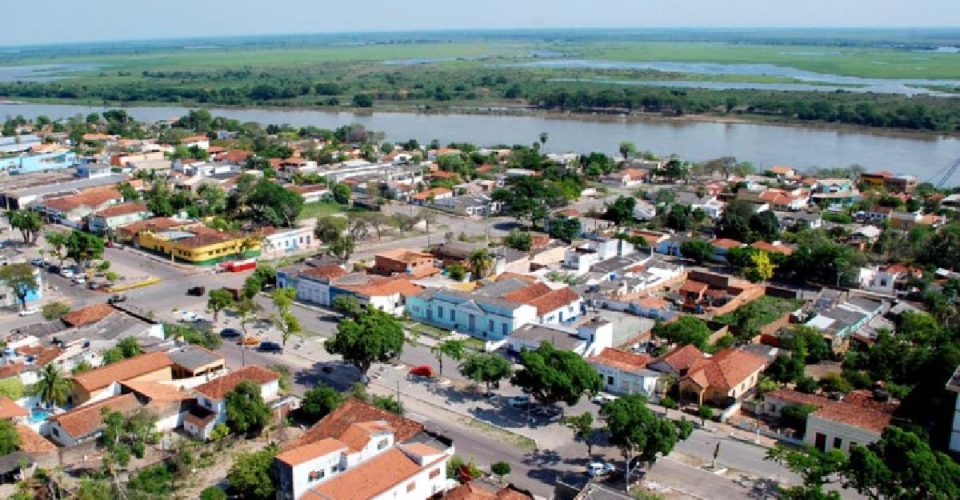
x=763 y=145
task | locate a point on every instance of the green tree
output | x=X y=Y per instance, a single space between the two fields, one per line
x=621 y=210
x=583 y=429
x=129 y=347
x=56 y=243
x=219 y=299
x=28 y=222
x=552 y=375
x=764 y=226
x=685 y=330
x=456 y=271
x=481 y=262
x=373 y=336
x=734 y=223
x=637 y=432
x=362 y=101
x=52 y=388
x=9 y=437
x=500 y=469
x=486 y=368
x=518 y=240
x=451 y=348
x=341 y=193
x=627 y=149
x=253 y=474
x=331 y=228
x=816 y=468
x=347 y=304
x=271 y=204
x=83 y=247
x=128 y=192
x=213 y=493
x=320 y=401
x=81 y=367
x=698 y=251
x=286 y=321
x=388 y=403
x=246 y=411
x=125 y=437
x=902 y=465
x=21 y=279
x=564 y=228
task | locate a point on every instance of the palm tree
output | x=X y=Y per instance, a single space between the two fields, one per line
x=452 y=348
x=480 y=262
x=53 y=387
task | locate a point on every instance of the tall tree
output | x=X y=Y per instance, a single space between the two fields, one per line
x=28 y=222
x=247 y=413
x=274 y=205
x=285 y=320
x=219 y=299
x=21 y=278
x=486 y=368
x=9 y=437
x=639 y=434
x=583 y=429
x=902 y=465
x=253 y=474
x=52 y=388
x=56 y=243
x=552 y=375
x=452 y=348
x=83 y=247
x=320 y=401
x=685 y=330
x=373 y=336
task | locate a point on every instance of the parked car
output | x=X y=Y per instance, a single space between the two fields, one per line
x=548 y=413
x=37 y=262
x=270 y=346
x=29 y=311
x=422 y=371
x=189 y=317
x=197 y=291
x=117 y=298
x=595 y=469
x=79 y=279
x=519 y=401
x=251 y=341
x=603 y=398
x=230 y=333
x=67 y=273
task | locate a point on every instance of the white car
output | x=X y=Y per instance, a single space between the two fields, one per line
x=599 y=469
x=67 y=273
x=189 y=317
x=29 y=311
x=603 y=398
x=79 y=279
x=519 y=402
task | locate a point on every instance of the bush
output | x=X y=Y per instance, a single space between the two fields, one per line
x=807 y=385
x=213 y=493
x=795 y=417
x=12 y=388
x=835 y=383
x=456 y=464
x=154 y=480
x=500 y=468
x=668 y=403
x=54 y=310
x=705 y=413
x=456 y=272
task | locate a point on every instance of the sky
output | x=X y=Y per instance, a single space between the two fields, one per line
x=56 y=21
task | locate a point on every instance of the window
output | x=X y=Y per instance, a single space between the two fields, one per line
x=434 y=473
x=837 y=443
x=453 y=315
x=412 y=485
x=316 y=475
x=440 y=312
x=490 y=325
x=382 y=444
x=56 y=432
x=609 y=380
x=503 y=329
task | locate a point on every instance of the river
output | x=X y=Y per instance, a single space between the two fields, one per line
x=764 y=145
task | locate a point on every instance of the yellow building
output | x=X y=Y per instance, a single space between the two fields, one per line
x=199 y=245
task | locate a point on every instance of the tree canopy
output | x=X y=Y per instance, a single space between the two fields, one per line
x=486 y=368
x=373 y=336
x=246 y=411
x=552 y=375
x=685 y=330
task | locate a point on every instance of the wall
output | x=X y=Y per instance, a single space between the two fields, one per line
x=204 y=255
x=423 y=485
x=832 y=430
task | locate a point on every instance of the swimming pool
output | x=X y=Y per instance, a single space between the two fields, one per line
x=38 y=415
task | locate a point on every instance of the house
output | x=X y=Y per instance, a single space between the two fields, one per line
x=886 y=279
x=195 y=361
x=724 y=377
x=169 y=404
x=581 y=256
x=678 y=361
x=477 y=314
x=312 y=193
x=198 y=245
x=85 y=423
x=129 y=232
x=93 y=170
x=18 y=143
x=8 y=296
x=108 y=219
x=587 y=338
x=278 y=243
x=406 y=262
x=388 y=294
x=628 y=177
x=781 y=172
x=479 y=489
x=71 y=210
x=841 y=321
x=312 y=284
x=625 y=372
x=102 y=382
x=360 y=451
x=38 y=162
x=888 y=181
x=211 y=398
x=199 y=141
x=877 y=214
x=791 y=220
x=776 y=247
x=431 y=195
x=723 y=245
x=470 y=205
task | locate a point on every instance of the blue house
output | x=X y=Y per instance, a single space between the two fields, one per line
x=39 y=162
x=490 y=318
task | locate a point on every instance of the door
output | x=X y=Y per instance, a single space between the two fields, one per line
x=821 y=442
x=472 y=320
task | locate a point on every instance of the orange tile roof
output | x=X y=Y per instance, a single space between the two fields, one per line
x=194 y=138
x=853 y=415
x=726 y=369
x=93 y=198
x=205 y=236
x=781 y=170
x=368 y=479
x=385 y=286
x=442 y=174
x=404 y=255
x=326 y=271
x=425 y=195
x=622 y=360
x=475 y=491
x=127 y=369
x=85 y=420
x=653 y=302
x=682 y=357
x=359 y=434
x=307 y=452
x=122 y=209
x=798 y=398
x=31 y=442
x=691 y=286
x=11 y=369
x=87 y=315
x=771 y=248
x=218 y=388
x=354 y=411
x=726 y=243
x=10 y=409
x=42 y=355
x=527 y=293
x=554 y=300
x=154 y=224
x=156 y=391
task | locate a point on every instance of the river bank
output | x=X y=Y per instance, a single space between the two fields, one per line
x=763 y=144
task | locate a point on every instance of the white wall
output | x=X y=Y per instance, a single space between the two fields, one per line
x=423 y=486
x=831 y=430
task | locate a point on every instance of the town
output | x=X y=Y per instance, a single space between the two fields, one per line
x=203 y=308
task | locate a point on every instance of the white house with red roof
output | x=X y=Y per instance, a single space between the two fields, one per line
x=211 y=408
x=625 y=372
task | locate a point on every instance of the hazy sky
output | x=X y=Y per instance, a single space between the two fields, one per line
x=50 y=21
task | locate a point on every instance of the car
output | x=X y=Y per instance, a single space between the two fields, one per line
x=422 y=371
x=548 y=413
x=189 y=317
x=270 y=346
x=519 y=402
x=37 y=262
x=230 y=333
x=79 y=279
x=67 y=273
x=250 y=341
x=117 y=298
x=29 y=311
x=197 y=291
x=595 y=469
x=603 y=398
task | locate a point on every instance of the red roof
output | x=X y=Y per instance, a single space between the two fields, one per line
x=681 y=358
x=85 y=420
x=87 y=315
x=326 y=271
x=726 y=369
x=122 y=209
x=354 y=411
x=726 y=243
x=218 y=388
x=92 y=198
x=771 y=248
x=622 y=360
x=127 y=369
